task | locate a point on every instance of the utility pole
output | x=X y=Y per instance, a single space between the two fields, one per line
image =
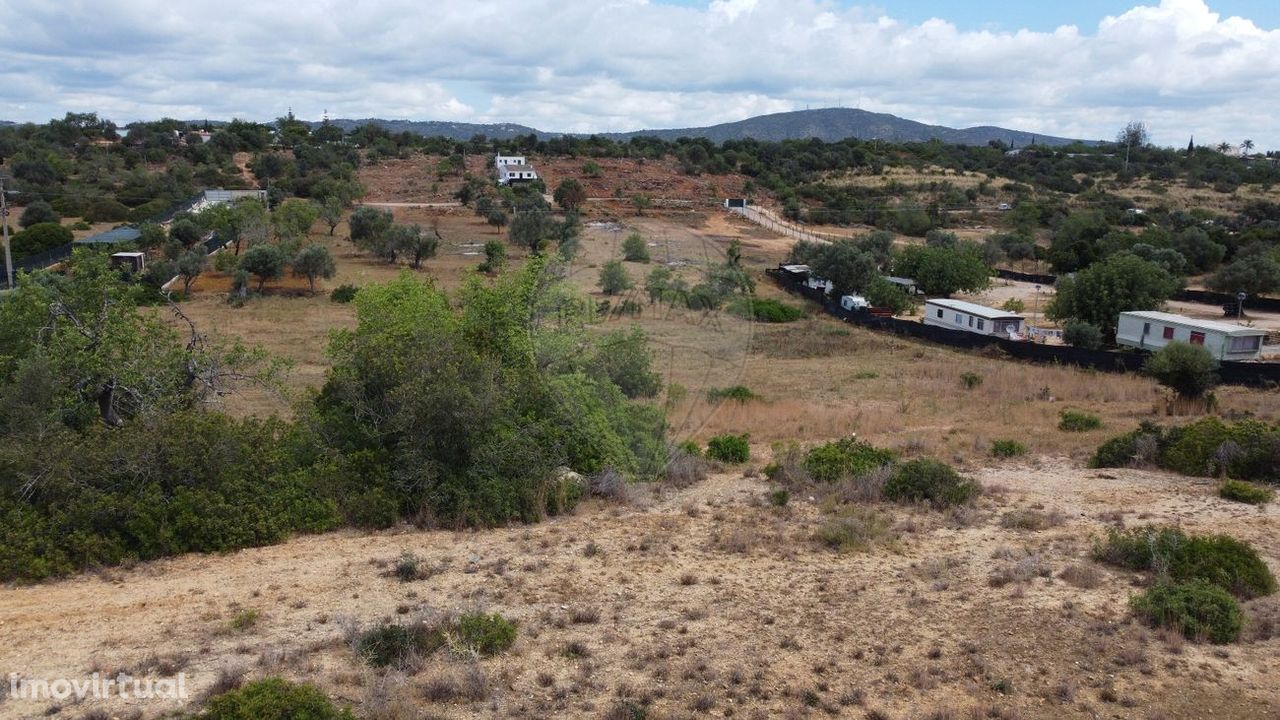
x=4 y=219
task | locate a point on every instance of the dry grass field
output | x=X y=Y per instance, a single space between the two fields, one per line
x=708 y=600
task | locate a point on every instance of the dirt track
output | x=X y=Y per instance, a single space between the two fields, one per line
x=704 y=596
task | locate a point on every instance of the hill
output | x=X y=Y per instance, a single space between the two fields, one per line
x=834 y=124
x=827 y=124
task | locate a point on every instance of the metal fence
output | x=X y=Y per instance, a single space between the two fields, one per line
x=1256 y=374
x=39 y=261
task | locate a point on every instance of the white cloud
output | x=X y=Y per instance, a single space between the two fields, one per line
x=626 y=64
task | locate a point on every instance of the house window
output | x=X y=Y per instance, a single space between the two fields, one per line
x=980 y=323
x=970 y=321
x=1146 y=329
x=1168 y=333
x=959 y=319
x=1245 y=344
x=939 y=313
x=1197 y=338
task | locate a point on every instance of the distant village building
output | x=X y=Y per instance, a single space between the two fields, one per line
x=974 y=318
x=514 y=168
x=118 y=236
x=1150 y=330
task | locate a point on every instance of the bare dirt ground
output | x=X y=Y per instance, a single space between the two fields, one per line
x=706 y=601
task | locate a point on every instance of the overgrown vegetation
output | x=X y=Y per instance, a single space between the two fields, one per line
x=1007 y=448
x=1245 y=492
x=1197 y=609
x=1078 y=421
x=274 y=699
x=1245 y=450
x=930 y=481
x=729 y=448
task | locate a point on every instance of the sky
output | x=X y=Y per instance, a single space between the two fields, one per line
x=1078 y=68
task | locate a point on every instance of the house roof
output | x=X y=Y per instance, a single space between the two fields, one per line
x=1210 y=325
x=900 y=280
x=112 y=237
x=796 y=268
x=519 y=168
x=973 y=309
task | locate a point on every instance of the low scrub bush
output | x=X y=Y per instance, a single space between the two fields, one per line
x=487 y=634
x=970 y=380
x=1224 y=561
x=1198 y=609
x=729 y=448
x=274 y=699
x=765 y=310
x=1007 y=448
x=1245 y=492
x=1246 y=450
x=848 y=457
x=929 y=481
x=737 y=393
x=685 y=466
x=343 y=293
x=1077 y=421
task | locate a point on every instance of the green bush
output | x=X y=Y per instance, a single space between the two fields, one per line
x=848 y=457
x=1081 y=334
x=855 y=529
x=398 y=646
x=1224 y=561
x=932 y=481
x=737 y=393
x=970 y=380
x=765 y=310
x=1197 y=609
x=1076 y=421
x=487 y=634
x=1189 y=370
x=39 y=238
x=1245 y=492
x=729 y=448
x=780 y=497
x=274 y=699
x=1007 y=448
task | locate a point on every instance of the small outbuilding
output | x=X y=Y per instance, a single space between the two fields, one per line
x=972 y=317
x=1151 y=330
x=132 y=261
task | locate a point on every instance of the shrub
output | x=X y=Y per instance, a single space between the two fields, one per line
x=970 y=380
x=39 y=238
x=614 y=278
x=932 y=481
x=1218 y=559
x=1007 y=448
x=343 y=294
x=729 y=448
x=1189 y=370
x=1081 y=334
x=407 y=567
x=765 y=310
x=737 y=393
x=1077 y=421
x=685 y=465
x=1197 y=609
x=634 y=248
x=1124 y=450
x=848 y=457
x=780 y=497
x=487 y=634
x=1014 y=305
x=1245 y=492
x=274 y=699
x=398 y=646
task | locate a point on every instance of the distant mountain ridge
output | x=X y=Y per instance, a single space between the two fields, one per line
x=826 y=124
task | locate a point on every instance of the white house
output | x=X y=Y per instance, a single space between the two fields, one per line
x=974 y=318
x=1150 y=330
x=513 y=168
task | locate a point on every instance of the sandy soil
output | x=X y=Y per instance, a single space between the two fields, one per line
x=703 y=598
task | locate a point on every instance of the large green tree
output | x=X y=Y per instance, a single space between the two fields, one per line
x=943 y=270
x=1099 y=293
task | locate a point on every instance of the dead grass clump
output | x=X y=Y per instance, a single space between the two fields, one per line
x=867 y=487
x=1082 y=575
x=684 y=468
x=584 y=616
x=229 y=678
x=451 y=684
x=1020 y=567
x=1263 y=620
x=854 y=529
x=610 y=484
x=739 y=539
x=1033 y=520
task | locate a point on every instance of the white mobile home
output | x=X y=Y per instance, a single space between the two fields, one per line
x=971 y=317
x=1150 y=330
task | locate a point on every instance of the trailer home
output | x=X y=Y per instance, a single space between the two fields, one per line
x=1150 y=330
x=974 y=318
